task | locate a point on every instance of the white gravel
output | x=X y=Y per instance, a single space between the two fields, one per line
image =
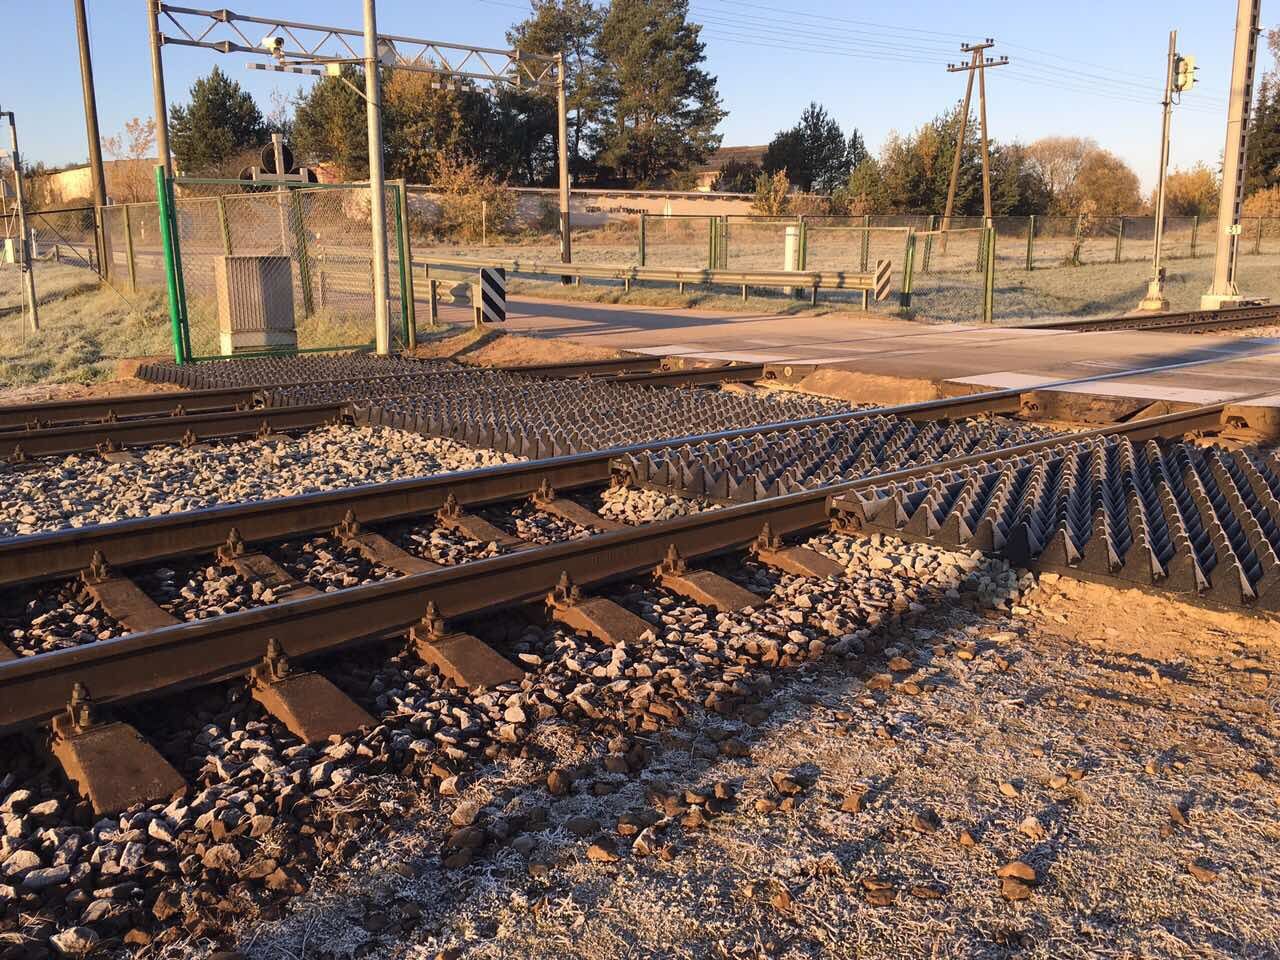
x=81 y=490
x=636 y=506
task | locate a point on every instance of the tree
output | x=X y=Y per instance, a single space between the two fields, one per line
x=915 y=170
x=132 y=180
x=771 y=194
x=863 y=193
x=737 y=176
x=329 y=125
x=814 y=152
x=571 y=27
x=1017 y=186
x=211 y=133
x=1191 y=193
x=1262 y=164
x=1057 y=161
x=658 y=107
x=1104 y=185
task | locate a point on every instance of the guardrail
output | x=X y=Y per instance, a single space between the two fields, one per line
x=872 y=284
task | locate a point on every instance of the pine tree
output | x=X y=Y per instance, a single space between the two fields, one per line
x=1262 y=165
x=814 y=152
x=329 y=125
x=571 y=27
x=658 y=107
x=209 y=135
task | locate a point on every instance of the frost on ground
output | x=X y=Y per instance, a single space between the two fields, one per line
x=842 y=782
x=80 y=490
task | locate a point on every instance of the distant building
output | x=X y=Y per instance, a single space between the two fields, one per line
x=709 y=171
x=128 y=181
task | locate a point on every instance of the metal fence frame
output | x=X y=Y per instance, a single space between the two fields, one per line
x=168 y=208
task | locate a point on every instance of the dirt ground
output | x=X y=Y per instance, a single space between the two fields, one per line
x=493 y=348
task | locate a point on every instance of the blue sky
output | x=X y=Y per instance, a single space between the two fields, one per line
x=1090 y=68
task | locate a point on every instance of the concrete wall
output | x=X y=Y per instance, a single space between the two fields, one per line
x=127 y=181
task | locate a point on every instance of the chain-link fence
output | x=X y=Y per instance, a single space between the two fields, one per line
x=946 y=274
x=135 y=248
x=678 y=241
x=59 y=236
x=282 y=269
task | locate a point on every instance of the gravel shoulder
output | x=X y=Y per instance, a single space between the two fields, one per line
x=80 y=490
x=1133 y=779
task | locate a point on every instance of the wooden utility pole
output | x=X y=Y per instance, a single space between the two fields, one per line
x=97 y=176
x=978 y=62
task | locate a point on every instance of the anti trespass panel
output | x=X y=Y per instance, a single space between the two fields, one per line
x=1196 y=521
x=746 y=468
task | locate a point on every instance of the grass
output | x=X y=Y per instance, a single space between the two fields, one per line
x=85 y=327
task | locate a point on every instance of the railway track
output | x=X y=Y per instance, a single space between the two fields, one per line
x=117 y=423
x=65 y=552
x=163 y=656
x=1187 y=321
x=597 y=578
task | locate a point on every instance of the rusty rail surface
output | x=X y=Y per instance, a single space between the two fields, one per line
x=61 y=553
x=33 y=689
x=19 y=421
x=88 y=437
x=1184 y=321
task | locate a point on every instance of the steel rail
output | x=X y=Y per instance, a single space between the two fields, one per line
x=19 y=418
x=64 y=553
x=34 y=689
x=1186 y=321
x=54 y=413
x=85 y=437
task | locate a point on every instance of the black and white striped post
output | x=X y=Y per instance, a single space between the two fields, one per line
x=489 y=296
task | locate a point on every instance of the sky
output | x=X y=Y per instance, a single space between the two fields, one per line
x=1088 y=68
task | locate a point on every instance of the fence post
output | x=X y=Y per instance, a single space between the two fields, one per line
x=484 y=223
x=1257 y=241
x=177 y=260
x=804 y=246
x=225 y=227
x=713 y=244
x=1195 y=230
x=171 y=282
x=304 y=259
x=866 y=242
x=407 y=295
x=128 y=249
x=928 y=242
x=908 y=269
x=641 y=252
x=1120 y=241
x=1031 y=242
x=989 y=278
x=403 y=283
x=724 y=242
x=1076 y=241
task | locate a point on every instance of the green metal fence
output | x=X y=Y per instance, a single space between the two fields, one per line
x=302 y=255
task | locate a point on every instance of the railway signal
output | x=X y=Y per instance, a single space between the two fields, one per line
x=1180 y=75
